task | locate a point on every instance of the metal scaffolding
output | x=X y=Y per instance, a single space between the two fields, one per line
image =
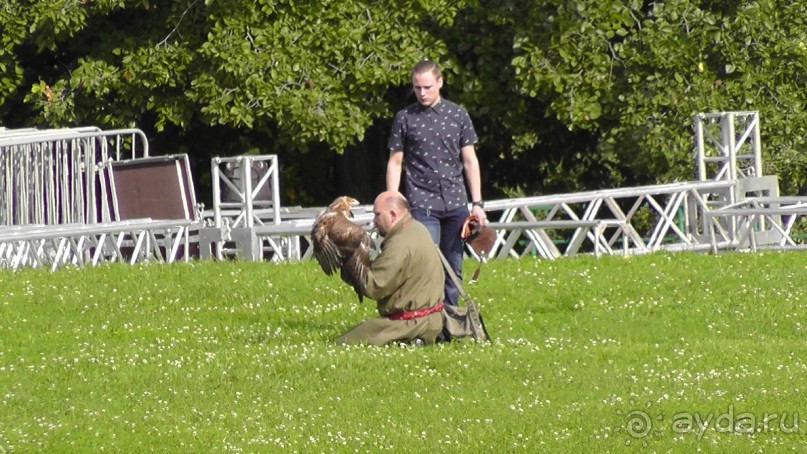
x=246 y=197
x=131 y=242
x=728 y=145
x=84 y=196
x=615 y=221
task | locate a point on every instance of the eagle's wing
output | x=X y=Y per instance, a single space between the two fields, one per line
x=340 y=244
x=354 y=245
x=326 y=250
x=354 y=271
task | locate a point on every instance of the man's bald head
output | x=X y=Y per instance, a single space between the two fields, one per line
x=393 y=199
x=389 y=208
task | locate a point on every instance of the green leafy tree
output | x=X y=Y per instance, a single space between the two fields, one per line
x=301 y=76
x=566 y=94
x=634 y=73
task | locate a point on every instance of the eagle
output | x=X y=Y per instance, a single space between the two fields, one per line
x=341 y=244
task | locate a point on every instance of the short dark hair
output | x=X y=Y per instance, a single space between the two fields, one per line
x=426 y=66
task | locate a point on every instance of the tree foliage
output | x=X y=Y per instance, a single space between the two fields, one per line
x=315 y=70
x=634 y=73
x=566 y=94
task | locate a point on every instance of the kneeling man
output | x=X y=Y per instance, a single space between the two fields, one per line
x=406 y=280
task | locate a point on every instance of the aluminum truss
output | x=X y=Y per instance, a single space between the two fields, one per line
x=728 y=145
x=693 y=216
x=628 y=220
x=617 y=221
x=255 y=183
x=246 y=200
x=757 y=222
x=127 y=241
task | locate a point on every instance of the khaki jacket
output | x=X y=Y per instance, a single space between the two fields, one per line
x=407 y=274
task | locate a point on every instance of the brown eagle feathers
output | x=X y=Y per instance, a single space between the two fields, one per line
x=340 y=244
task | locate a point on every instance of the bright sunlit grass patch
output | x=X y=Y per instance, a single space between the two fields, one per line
x=676 y=352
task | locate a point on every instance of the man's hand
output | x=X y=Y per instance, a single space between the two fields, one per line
x=479 y=212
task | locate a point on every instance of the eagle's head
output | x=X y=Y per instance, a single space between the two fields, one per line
x=342 y=205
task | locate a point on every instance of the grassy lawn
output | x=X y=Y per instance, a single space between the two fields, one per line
x=664 y=352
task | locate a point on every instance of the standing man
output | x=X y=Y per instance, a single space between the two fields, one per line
x=434 y=139
x=405 y=280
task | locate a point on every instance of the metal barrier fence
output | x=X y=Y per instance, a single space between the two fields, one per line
x=83 y=196
x=50 y=176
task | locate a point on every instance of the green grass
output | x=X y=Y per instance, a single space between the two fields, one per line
x=589 y=355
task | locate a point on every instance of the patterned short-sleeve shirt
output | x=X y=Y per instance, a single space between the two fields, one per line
x=431 y=139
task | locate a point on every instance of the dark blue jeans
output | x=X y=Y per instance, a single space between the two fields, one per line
x=444 y=227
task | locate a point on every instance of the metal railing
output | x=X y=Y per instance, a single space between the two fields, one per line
x=60 y=204
x=49 y=176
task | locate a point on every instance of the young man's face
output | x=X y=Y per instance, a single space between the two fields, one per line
x=427 y=88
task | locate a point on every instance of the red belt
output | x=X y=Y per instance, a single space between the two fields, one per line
x=409 y=315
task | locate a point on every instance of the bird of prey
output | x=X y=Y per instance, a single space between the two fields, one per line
x=340 y=244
